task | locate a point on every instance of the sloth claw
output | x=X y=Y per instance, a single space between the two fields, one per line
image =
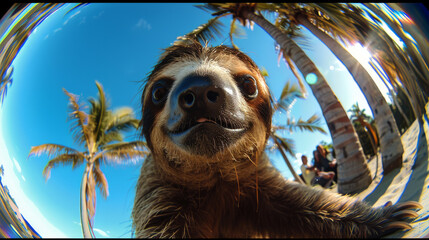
x=393 y=226
x=405 y=214
x=397 y=225
x=401 y=212
x=409 y=205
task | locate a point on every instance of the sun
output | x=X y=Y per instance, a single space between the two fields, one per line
x=365 y=59
x=360 y=53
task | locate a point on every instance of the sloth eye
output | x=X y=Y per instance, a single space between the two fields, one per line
x=159 y=92
x=248 y=86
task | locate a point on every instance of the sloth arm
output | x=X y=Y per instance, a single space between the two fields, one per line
x=290 y=209
x=284 y=209
x=164 y=210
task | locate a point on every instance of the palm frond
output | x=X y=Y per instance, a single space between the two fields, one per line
x=102 y=111
x=122 y=120
x=52 y=150
x=312 y=124
x=63 y=159
x=282 y=23
x=101 y=180
x=115 y=124
x=267 y=7
x=5 y=82
x=98 y=112
x=287 y=98
x=232 y=29
x=203 y=33
x=290 y=92
x=286 y=144
x=109 y=137
x=264 y=72
x=79 y=128
x=296 y=73
x=338 y=19
x=210 y=8
x=123 y=152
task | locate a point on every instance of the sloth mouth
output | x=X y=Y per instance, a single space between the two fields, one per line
x=228 y=124
x=208 y=135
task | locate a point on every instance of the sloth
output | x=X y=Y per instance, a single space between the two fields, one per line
x=206 y=118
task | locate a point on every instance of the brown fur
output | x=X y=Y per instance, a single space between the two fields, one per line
x=235 y=192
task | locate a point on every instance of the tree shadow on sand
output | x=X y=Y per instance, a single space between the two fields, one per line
x=416 y=183
x=381 y=188
x=415 y=186
x=416 y=179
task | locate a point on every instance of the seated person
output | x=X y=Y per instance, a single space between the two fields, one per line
x=323 y=178
x=308 y=172
x=325 y=162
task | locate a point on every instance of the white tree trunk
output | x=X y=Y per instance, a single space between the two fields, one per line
x=84 y=218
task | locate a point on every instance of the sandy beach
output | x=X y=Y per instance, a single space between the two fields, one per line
x=409 y=183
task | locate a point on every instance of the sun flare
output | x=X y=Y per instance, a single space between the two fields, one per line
x=360 y=53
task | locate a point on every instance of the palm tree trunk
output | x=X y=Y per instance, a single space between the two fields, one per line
x=390 y=139
x=84 y=219
x=398 y=106
x=371 y=134
x=295 y=175
x=353 y=171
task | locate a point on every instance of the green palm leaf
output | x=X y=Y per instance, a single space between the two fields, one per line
x=98 y=112
x=109 y=137
x=122 y=120
x=312 y=124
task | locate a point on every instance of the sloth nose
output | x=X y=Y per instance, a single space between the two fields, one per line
x=197 y=93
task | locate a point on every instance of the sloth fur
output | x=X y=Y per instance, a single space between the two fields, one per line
x=206 y=119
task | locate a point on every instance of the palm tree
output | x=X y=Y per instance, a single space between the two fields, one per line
x=100 y=132
x=359 y=115
x=289 y=94
x=353 y=172
x=333 y=17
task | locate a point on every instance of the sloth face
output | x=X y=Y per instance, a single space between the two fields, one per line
x=205 y=102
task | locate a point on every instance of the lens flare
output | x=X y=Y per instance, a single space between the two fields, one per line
x=311 y=78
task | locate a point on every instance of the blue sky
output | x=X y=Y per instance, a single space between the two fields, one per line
x=117 y=45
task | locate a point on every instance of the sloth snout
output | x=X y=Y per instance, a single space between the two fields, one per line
x=197 y=94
